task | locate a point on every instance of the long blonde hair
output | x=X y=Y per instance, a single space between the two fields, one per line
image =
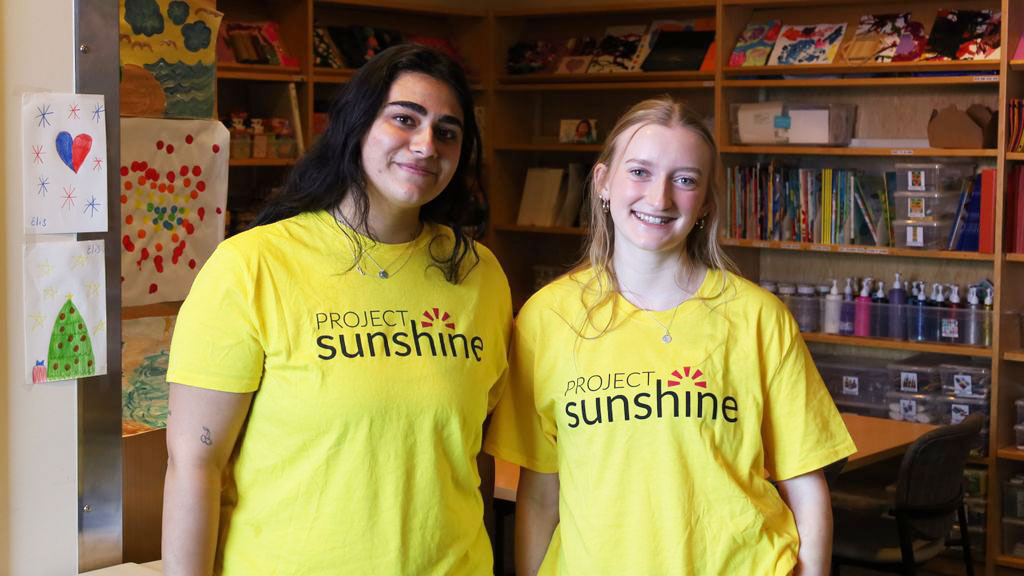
x=701 y=246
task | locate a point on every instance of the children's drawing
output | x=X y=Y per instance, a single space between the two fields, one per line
x=65 y=310
x=813 y=44
x=878 y=36
x=964 y=35
x=146 y=343
x=755 y=44
x=64 y=152
x=174 y=176
x=168 y=58
x=912 y=42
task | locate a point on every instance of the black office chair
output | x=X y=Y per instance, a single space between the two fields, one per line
x=929 y=492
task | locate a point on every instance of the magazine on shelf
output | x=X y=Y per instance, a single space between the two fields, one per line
x=755 y=44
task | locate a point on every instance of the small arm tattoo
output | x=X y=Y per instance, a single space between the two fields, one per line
x=206 y=438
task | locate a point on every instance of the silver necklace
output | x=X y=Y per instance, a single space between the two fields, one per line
x=667 y=336
x=382 y=271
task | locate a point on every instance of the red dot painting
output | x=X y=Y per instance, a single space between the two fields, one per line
x=163 y=205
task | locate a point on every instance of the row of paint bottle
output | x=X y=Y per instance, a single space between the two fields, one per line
x=918 y=314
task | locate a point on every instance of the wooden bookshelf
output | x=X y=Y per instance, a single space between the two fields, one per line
x=933 y=347
x=259 y=73
x=554 y=147
x=1010 y=561
x=603 y=8
x=149 y=310
x=867 y=68
x=432 y=9
x=552 y=230
x=261 y=161
x=1016 y=65
x=1010 y=453
x=1014 y=356
x=633 y=78
x=661 y=85
x=1015 y=156
x=970 y=80
x=855 y=250
x=332 y=75
x=850 y=151
x=1015 y=257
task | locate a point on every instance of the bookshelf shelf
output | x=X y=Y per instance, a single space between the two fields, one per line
x=848 y=151
x=1016 y=65
x=622 y=77
x=332 y=75
x=1014 y=356
x=548 y=147
x=880 y=68
x=1018 y=156
x=261 y=161
x=408 y=8
x=149 y=310
x=854 y=250
x=1010 y=561
x=552 y=230
x=512 y=86
x=971 y=80
x=1015 y=257
x=951 y=349
x=1010 y=453
x=639 y=7
x=259 y=72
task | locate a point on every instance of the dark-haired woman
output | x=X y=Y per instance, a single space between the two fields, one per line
x=333 y=367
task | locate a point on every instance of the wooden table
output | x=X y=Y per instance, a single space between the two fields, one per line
x=877 y=439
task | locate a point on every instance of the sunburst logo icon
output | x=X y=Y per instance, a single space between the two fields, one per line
x=437 y=318
x=693 y=374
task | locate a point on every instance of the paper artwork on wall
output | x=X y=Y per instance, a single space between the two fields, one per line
x=64 y=162
x=65 y=310
x=174 y=177
x=146 y=344
x=168 y=58
x=812 y=44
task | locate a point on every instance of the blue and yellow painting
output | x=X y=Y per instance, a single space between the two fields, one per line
x=168 y=58
x=145 y=347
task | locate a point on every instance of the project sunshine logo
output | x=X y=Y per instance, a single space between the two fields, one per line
x=684 y=393
x=386 y=333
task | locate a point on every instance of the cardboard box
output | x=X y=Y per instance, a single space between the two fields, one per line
x=954 y=128
x=796 y=124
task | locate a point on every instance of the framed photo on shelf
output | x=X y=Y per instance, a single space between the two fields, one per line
x=578 y=131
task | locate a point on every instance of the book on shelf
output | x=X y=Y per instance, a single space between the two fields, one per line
x=253 y=43
x=677 y=45
x=807 y=44
x=755 y=44
x=617 y=51
x=960 y=216
x=542 y=197
x=968 y=241
x=912 y=43
x=876 y=38
x=964 y=35
x=1014 y=229
x=775 y=202
x=986 y=223
x=575 y=183
x=293 y=101
x=325 y=52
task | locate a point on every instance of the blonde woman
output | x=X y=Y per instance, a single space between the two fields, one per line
x=654 y=393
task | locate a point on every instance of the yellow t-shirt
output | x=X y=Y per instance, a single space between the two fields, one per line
x=662 y=450
x=359 y=453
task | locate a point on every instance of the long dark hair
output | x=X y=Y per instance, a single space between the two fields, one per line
x=333 y=166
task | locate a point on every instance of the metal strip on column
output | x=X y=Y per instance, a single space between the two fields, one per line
x=99 y=397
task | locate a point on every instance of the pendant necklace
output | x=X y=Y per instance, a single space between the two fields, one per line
x=382 y=271
x=667 y=336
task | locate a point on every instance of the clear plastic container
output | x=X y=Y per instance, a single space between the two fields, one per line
x=923 y=234
x=926 y=177
x=858 y=383
x=915 y=205
x=975 y=482
x=920 y=408
x=806 y=308
x=1013 y=497
x=966 y=380
x=955 y=408
x=915 y=374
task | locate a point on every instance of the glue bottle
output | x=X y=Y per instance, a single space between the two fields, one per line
x=833 y=309
x=846 y=311
x=862 y=310
x=973 y=324
x=898 y=310
x=916 y=314
x=951 y=315
x=879 y=312
x=936 y=303
x=986 y=332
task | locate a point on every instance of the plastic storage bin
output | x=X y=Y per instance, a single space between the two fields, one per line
x=955 y=408
x=857 y=384
x=915 y=205
x=915 y=374
x=925 y=177
x=966 y=380
x=921 y=408
x=923 y=234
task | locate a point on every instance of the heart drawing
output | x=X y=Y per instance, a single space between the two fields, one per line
x=73 y=151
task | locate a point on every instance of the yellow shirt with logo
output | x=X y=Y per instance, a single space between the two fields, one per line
x=663 y=449
x=359 y=453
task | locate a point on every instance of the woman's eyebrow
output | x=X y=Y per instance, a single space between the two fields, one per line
x=419 y=109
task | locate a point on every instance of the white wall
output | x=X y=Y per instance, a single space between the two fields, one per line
x=38 y=423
